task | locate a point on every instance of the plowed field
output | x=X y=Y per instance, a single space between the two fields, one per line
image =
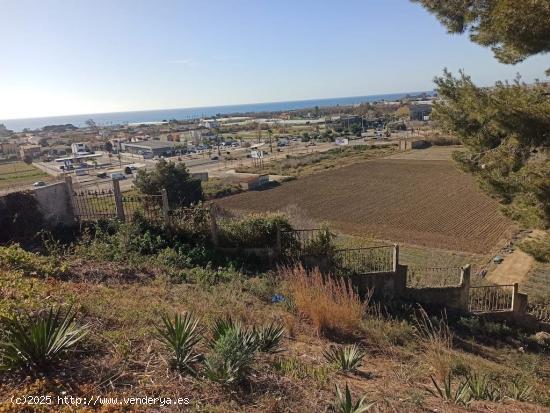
x=428 y=203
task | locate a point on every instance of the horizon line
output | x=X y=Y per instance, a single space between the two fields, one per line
x=211 y=106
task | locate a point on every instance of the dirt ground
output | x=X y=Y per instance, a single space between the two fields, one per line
x=428 y=203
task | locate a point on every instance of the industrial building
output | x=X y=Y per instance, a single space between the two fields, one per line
x=154 y=148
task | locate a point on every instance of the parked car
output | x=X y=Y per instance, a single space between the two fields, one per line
x=215 y=158
x=102 y=175
x=39 y=183
x=117 y=176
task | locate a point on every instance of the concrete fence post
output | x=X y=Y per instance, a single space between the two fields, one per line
x=395 y=258
x=213 y=225
x=515 y=299
x=165 y=207
x=465 y=273
x=70 y=191
x=118 y=200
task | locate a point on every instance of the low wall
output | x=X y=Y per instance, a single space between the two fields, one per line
x=456 y=297
x=381 y=285
x=55 y=203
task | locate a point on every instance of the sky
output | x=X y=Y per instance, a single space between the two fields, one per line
x=61 y=57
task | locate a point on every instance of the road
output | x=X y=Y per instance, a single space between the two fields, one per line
x=230 y=159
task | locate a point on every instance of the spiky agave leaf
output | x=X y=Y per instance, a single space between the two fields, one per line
x=181 y=335
x=344 y=403
x=37 y=341
x=347 y=358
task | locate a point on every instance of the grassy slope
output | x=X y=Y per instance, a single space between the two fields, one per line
x=122 y=317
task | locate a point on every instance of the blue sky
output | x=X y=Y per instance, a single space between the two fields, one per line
x=62 y=57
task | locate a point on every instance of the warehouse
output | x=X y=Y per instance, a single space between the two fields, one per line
x=154 y=148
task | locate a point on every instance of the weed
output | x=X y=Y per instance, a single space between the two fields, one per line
x=347 y=358
x=519 y=389
x=330 y=303
x=482 y=387
x=296 y=368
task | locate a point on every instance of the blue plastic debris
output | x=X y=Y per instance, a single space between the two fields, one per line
x=277 y=298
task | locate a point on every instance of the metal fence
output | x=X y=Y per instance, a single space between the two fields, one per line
x=94 y=205
x=540 y=311
x=365 y=260
x=433 y=276
x=491 y=298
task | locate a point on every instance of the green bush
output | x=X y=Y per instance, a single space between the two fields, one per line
x=538 y=247
x=16 y=258
x=255 y=231
x=33 y=344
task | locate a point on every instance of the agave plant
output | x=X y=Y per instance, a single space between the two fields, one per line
x=347 y=358
x=344 y=402
x=519 y=389
x=482 y=387
x=181 y=335
x=445 y=391
x=35 y=342
x=269 y=337
x=231 y=351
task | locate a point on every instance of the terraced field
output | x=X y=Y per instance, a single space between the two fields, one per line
x=428 y=203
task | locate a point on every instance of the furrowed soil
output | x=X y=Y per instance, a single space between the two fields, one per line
x=429 y=203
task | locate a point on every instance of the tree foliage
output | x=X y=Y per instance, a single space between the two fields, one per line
x=506 y=130
x=181 y=188
x=513 y=29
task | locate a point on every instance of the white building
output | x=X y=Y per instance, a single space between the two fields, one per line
x=79 y=149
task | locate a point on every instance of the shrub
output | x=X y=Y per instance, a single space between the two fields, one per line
x=322 y=244
x=181 y=336
x=344 y=402
x=538 y=247
x=16 y=258
x=36 y=342
x=330 y=303
x=232 y=351
x=269 y=337
x=347 y=358
x=255 y=231
x=182 y=190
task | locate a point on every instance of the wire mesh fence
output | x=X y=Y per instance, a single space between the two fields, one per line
x=418 y=277
x=364 y=260
x=491 y=298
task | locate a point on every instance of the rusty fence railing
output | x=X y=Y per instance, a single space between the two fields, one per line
x=366 y=260
x=491 y=298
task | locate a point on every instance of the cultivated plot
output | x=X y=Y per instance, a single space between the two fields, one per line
x=428 y=203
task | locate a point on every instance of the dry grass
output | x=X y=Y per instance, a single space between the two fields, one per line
x=329 y=303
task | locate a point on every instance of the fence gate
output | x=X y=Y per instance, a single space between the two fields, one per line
x=94 y=202
x=491 y=298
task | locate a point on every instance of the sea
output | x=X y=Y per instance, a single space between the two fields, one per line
x=148 y=116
